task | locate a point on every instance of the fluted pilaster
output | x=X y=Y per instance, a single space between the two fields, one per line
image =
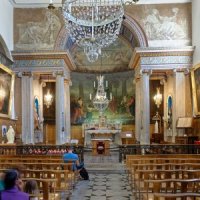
x=27 y=109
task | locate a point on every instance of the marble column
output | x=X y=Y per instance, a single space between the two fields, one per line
x=60 y=112
x=137 y=109
x=178 y=105
x=27 y=110
x=67 y=111
x=145 y=109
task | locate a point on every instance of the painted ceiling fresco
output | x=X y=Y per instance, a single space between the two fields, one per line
x=114 y=58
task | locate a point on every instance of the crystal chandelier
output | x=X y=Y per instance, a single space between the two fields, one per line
x=100 y=100
x=93 y=24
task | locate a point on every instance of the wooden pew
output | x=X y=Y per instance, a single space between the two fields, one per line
x=177 y=186
x=45 y=185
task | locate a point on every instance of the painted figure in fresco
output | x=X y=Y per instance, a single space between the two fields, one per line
x=131 y=106
x=113 y=105
x=123 y=105
x=164 y=27
x=77 y=113
x=39 y=32
x=89 y=114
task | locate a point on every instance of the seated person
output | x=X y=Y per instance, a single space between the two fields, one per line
x=70 y=156
x=31 y=187
x=12 y=183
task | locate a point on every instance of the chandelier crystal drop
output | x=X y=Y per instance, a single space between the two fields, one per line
x=93 y=24
x=100 y=100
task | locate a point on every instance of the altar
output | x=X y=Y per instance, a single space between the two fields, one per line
x=102 y=134
x=100 y=146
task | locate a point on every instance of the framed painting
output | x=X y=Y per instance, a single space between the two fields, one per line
x=195 y=76
x=7 y=78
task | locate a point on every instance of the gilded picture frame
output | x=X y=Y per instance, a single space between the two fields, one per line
x=7 y=78
x=195 y=77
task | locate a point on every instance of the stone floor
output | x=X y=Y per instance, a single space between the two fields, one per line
x=108 y=180
x=103 y=187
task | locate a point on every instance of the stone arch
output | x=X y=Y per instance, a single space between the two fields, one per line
x=4 y=49
x=63 y=41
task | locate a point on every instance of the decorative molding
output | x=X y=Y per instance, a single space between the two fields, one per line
x=29 y=74
x=145 y=71
x=39 y=63
x=162 y=58
x=58 y=73
x=166 y=60
x=44 y=58
x=135 y=28
x=186 y=71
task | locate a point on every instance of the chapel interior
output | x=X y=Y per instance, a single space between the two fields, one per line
x=137 y=93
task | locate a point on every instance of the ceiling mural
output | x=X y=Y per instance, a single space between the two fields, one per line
x=114 y=58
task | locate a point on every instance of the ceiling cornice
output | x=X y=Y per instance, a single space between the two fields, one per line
x=58 y=3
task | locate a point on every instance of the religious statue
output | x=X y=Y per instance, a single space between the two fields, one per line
x=10 y=135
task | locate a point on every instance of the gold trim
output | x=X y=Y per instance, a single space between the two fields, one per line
x=194 y=89
x=6 y=69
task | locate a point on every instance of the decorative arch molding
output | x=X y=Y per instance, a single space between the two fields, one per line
x=136 y=30
x=4 y=49
x=63 y=41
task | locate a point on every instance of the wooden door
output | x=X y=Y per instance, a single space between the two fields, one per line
x=50 y=134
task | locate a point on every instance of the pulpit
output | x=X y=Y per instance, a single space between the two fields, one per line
x=100 y=147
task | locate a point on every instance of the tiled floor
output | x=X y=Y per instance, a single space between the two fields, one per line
x=108 y=180
x=103 y=187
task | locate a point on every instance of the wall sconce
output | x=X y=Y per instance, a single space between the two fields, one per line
x=48 y=99
x=158 y=98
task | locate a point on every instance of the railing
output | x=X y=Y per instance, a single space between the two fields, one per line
x=55 y=150
x=51 y=150
x=157 y=149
